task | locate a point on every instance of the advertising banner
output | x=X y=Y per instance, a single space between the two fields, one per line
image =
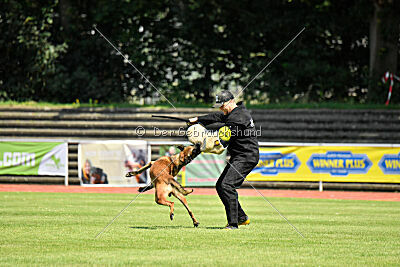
x=33 y=158
x=328 y=164
x=204 y=170
x=107 y=162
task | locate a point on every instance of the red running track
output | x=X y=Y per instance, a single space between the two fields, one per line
x=380 y=196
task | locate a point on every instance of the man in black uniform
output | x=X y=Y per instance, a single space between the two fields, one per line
x=243 y=149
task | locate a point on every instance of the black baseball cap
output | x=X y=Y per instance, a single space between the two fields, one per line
x=222 y=97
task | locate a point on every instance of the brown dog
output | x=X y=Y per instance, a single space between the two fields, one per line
x=162 y=173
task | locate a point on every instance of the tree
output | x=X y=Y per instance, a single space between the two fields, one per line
x=190 y=49
x=30 y=52
x=384 y=44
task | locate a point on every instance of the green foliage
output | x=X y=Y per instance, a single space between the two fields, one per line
x=188 y=50
x=31 y=54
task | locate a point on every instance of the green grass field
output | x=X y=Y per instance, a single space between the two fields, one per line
x=59 y=229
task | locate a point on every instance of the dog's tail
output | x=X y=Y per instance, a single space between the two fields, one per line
x=180 y=188
x=139 y=171
x=145 y=188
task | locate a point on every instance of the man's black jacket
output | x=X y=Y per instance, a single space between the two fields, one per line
x=243 y=144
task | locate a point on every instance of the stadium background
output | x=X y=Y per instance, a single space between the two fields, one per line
x=301 y=126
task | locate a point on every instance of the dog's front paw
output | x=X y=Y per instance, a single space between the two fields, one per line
x=171 y=216
x=196 y=224
x=130 y=174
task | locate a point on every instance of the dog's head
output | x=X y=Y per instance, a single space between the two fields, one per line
x=189 y=153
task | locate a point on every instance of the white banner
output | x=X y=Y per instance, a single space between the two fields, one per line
x=55 y=161
x=105 y=163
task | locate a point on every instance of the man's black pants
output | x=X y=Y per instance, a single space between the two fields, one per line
x=230 y=179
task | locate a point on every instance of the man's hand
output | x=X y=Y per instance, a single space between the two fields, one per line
x=192 y=121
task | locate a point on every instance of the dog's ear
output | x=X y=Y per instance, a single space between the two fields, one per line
x=181 y=147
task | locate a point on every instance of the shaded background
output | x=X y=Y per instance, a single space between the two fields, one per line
x=191 y=49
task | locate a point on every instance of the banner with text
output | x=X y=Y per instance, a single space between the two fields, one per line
x=328 y=164
x=204 y=170
x=33 y=158
x=107 y=162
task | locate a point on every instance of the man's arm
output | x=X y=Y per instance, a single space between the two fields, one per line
x=209 y=118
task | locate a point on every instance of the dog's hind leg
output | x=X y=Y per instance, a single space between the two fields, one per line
x=179 y=187
x=161 y=198
x=182 y=199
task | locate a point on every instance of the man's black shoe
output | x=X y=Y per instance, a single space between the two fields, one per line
x=231 y=227
x=244 y=221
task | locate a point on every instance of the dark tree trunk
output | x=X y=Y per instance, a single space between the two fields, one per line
x=64 y=6
x=383 y=43
x=207 y=91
